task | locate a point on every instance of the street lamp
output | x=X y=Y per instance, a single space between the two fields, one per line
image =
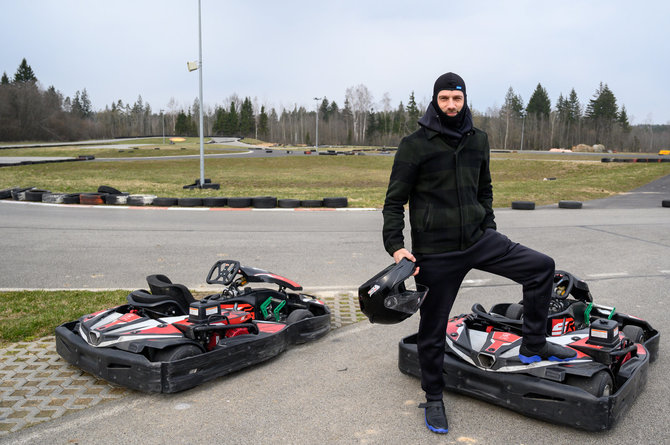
x=317 y=99
x=163 y=118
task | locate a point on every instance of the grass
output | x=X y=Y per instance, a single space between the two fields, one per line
x=363 y=179
x=134 y=150
x=28 y=315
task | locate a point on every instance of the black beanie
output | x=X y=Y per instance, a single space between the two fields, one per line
x=448 y=81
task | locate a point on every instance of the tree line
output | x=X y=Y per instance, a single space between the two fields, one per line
x=29 y=112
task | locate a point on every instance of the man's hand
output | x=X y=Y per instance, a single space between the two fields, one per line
x=404 y=253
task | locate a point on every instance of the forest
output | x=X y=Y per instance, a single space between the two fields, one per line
x=28 y=112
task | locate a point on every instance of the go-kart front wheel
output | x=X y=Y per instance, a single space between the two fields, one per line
x=599 y=384
x=298 y=315
x=176 y=353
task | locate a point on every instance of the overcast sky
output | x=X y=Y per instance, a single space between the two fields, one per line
x=287 y=52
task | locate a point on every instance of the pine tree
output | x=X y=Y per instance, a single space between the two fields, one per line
x=232 y=127
x=24 y=73
x=623 y=120
x=603 y=105
x=5 y=79
x=513 y=104
x=247 y=118
x=539 y=103
x=413 y=113
x=263 y=123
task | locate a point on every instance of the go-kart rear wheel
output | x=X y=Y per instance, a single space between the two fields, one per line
x=298 y=315
x=176 y=353
x=599 y=385
x=634 y=333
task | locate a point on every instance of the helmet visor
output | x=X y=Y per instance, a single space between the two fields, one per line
x=408 y=301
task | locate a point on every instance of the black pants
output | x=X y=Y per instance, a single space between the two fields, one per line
x=444 y=273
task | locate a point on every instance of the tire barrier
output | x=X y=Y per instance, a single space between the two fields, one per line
x=117 y=199
x=189 y=202
x=35 y=195
x=264 y=202
x=19 y=193
x=335 y=203
x=165 y=202
x=666 y=203
x=109 y=190
x=239 y=203
x=53 y=198
x=140 y=200
x=635 y=160
x=7 y=193
x=569 y=205
x=523 y=205
x=92 y=198
x=214 y=202
x=310 y=203
x=288 y=203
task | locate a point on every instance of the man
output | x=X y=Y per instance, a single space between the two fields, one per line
x=442 y=169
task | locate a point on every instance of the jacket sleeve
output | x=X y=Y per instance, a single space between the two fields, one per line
x=401 y=182
x=485 y=190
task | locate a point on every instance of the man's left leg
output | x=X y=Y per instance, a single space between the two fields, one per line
x=535 y=272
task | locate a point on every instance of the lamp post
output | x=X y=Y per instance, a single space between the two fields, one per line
x=523 y=126
x=163 y=119
x=317 y=99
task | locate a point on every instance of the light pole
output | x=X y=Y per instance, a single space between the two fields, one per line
x=317 y=99
x=523 y=126
x=163 y=118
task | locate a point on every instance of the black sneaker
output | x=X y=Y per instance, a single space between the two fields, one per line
x=550 y=351
x=436 y=418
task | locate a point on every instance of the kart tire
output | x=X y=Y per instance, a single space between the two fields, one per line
x=264 y=202
x=298 y=315
x=109 y=190
x=164 y=202
x=176 y=353
x=239 y=203
x=91 y=198
x=311 y=203
x=523 y=205
x=116 y=199
x=190 y=202
x=6 y=193
x=598 y=385
x=634 y=333
x=71 y=198
x=569 y=205
x=19 y=194
x=514 y=311
x=665 y=203
x=140 y=200
x=214 y=202
x=288 y=203
x=53 y=198
x=334 y=203
x=35 y=195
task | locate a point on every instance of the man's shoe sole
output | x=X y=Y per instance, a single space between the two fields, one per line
x=537 y=358
x=436 y=430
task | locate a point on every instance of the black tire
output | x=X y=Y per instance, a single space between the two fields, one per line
x=634 y=333
x=666 y=203
x=71 y=198
x=288 y=203
x=311 y=203
x=6 y=193
x=109 y=190
x=214 y=202
x=239 y=203
x=334 y=203
x=189 y=202
x=598 y=385
x=53 y=198
x=298 y=315
x=35 y=195
x=514 y=311
x=140 y=200
x=176 y=353
x=264 y=202
x=19 y=194
x=523 y=205
x=164 y=202
x=569 y=205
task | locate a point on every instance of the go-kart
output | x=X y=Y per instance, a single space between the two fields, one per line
x=164 y=340
x=590 y=392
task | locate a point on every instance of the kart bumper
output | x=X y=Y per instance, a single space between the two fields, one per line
x=135 y=371
x=533 y=396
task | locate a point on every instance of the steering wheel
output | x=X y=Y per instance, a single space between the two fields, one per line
x=563 y=284
x=223 y=272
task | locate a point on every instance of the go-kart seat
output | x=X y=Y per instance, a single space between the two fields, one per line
x=163 y=291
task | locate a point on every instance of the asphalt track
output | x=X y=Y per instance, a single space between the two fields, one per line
x=346 y=387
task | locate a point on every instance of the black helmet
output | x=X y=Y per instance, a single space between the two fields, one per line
x=384 y=298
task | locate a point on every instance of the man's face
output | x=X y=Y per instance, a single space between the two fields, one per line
x=450 y=102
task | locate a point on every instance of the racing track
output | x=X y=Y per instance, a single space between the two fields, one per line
x=346 y=387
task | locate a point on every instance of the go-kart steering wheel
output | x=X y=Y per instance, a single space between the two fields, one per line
x=563 y=284
x=223 y=272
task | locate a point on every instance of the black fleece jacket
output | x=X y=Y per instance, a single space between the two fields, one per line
x=448 y=187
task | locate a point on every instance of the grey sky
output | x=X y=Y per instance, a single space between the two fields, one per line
x=286 y=53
